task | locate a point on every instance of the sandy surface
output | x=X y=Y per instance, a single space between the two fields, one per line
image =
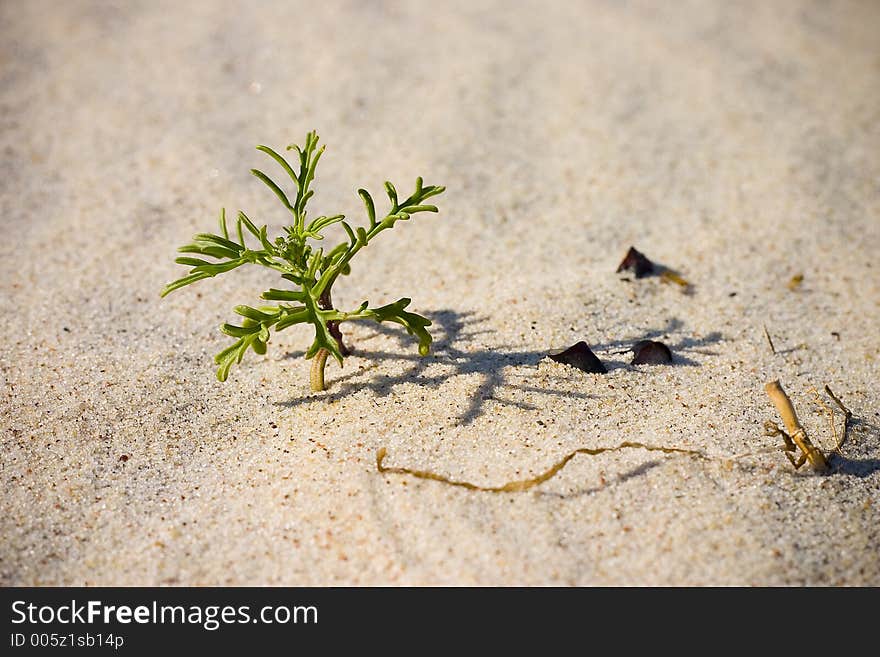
x=736 y=142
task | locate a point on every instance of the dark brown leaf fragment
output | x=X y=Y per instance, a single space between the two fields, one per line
x=650 y=352
x=580 y=356
x=637 y=262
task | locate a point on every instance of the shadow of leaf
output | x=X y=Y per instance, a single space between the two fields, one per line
x=454 y=331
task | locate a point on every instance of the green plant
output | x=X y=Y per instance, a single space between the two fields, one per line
x=312 y=271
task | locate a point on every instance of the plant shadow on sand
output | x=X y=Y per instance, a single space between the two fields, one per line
x=632 y=473
x=685 y=345
x=453 y=331
x=863 y=434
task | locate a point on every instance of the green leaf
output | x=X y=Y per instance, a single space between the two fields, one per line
x=323 y=339
x=192 y=262
x=283 y=295
x=252 y=229
x=431 y=190
x=275 y=188
x=337 y=251
x=412 y=209
x=181 y=282
x=314 y=262
x=264 y=240
x=295 y=317
x=254 y=314
x=308 y=161
x=223 y=223
x=350 y=232
x=369 y=205
x=392 y=194
x=323 y=222
x=413 y=323
x=209 y=250
x=228 y=356
x=209 y=238
x=284 y=164
x=214 y=268
x=240 y=331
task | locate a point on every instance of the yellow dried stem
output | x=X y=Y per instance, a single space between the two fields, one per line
x=829 y=412
x=669 y=276
x=796 y=432
x=769 y=340
x=847 y=418
x=526 y=484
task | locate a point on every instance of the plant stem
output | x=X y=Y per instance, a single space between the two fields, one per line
x=326 y=303
x=316 y=375
x=796 y=431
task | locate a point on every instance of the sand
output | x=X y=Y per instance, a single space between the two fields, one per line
x=736 y=143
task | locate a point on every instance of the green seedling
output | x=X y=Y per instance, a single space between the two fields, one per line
x=311 y=270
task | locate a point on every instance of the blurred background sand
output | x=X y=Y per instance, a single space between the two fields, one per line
x=738 y=143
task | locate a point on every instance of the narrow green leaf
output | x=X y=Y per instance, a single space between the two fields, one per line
x=284 y=164
x=214 y=268
x=239 y=331
x=413 y=323
x=283 y=295
x=430 y=191
x=392 y=194
x=412 y=209
x=223 y=223
x=253 y=313
x=228 y=356
x=264 y=240
x=209 y=250
x=323 y=339
x=337 y=251
x=351 y=238
x=298 y=317
x=223 y=370
x=275 y=188
x=369 y=205
x=240 y=232
x=313 y=264
x=210 y=238
x=322 y=222
x=230 y=351
x=252 y=229
x=192 y=262
x=181 y=282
